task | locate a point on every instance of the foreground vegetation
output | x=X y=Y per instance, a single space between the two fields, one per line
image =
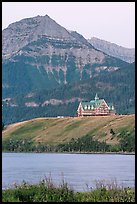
x=87 y=134
x=46 y=191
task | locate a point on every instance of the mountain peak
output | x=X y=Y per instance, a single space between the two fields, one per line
x=27 y=30
x=44 y=25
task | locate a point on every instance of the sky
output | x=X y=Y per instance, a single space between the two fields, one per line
x=110 y=21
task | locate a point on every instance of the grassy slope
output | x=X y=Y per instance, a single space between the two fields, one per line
x=60 y=130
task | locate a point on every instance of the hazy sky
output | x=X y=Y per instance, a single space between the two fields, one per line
x=111 y=21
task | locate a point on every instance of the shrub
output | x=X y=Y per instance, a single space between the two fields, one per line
x=47 y=191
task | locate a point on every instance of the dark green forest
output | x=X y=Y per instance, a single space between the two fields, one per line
x=117 y=88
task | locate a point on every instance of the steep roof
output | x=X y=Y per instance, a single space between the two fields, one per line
x=92 y=103
x=95 y=104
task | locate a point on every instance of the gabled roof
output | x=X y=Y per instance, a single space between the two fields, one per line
x=111 y=106
x=95 y=104
x=92 y=104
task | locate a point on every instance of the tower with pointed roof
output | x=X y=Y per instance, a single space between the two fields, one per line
x=96 y=97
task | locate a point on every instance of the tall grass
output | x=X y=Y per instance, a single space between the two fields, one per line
x=108 y=192
x=47 y=191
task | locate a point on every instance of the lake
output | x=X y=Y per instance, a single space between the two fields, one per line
x=80 y=171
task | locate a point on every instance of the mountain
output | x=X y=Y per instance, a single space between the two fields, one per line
x=125 y=54
x=44 y=64
x=21 y=33
x=38 y=53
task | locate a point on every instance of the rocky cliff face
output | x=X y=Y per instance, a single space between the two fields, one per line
x=40 y=41
x=20 y=33
x=46 y=55
x=125 y=54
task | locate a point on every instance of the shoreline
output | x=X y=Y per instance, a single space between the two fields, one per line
x=110 y=153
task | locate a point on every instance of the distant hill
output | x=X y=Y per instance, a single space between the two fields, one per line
x=116 y=131
x=125 y=54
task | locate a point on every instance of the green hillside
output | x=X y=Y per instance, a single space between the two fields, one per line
x=117 y=88
x=85 y=134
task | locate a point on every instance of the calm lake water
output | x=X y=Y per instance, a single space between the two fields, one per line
x=80 y=171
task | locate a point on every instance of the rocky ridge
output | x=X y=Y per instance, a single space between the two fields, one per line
x=125 y=54
x=54 y=51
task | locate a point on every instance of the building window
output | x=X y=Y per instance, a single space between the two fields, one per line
x=85 y=107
